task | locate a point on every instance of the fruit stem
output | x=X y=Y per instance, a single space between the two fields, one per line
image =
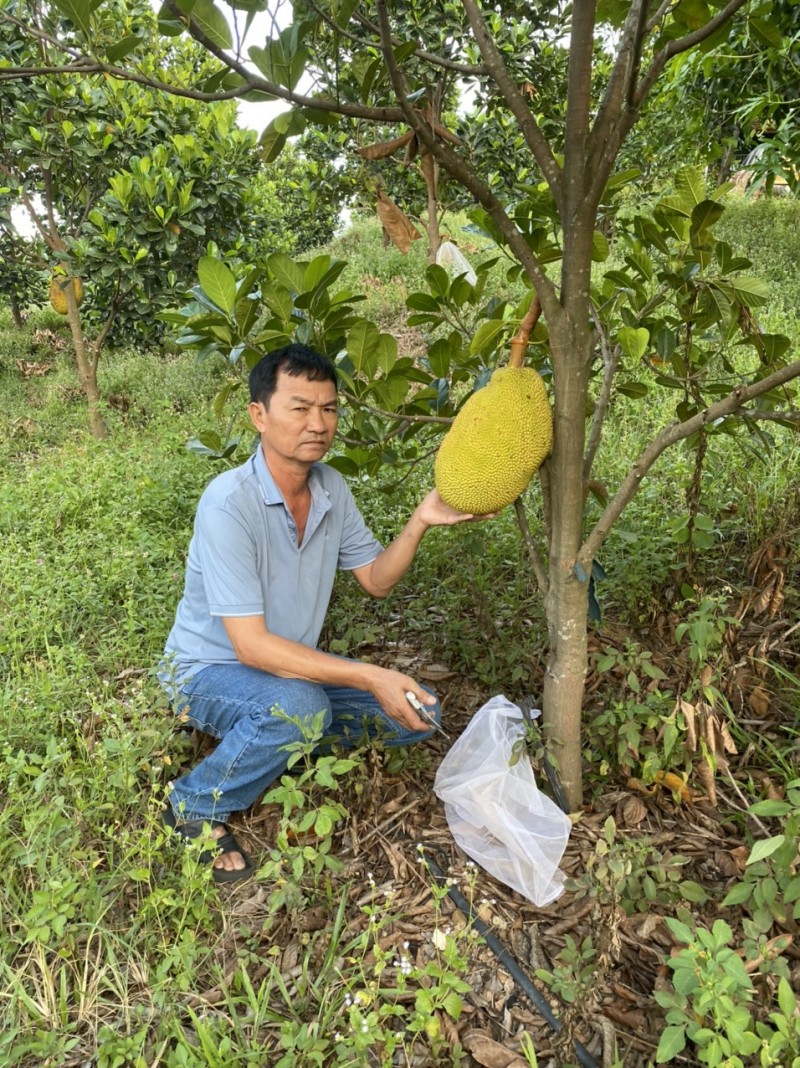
x=519 y=342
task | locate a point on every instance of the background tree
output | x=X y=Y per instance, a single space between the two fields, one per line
x=21 y=280
x=676 y=310
x=124 y=186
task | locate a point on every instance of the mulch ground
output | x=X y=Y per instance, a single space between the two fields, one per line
x=617 y=1015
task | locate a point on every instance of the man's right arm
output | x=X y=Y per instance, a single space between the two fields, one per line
x=256 y=647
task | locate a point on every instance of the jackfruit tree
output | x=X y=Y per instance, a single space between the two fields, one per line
x=677 y=311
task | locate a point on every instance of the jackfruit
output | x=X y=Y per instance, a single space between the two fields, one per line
x=497 y=442
x=58 y=298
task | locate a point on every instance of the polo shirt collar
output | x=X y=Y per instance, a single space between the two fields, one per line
x=320 y=499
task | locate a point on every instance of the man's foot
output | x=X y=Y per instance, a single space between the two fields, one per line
x=230 y=862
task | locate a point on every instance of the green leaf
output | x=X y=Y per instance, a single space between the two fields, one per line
x=452 y=1005
x=749 y=290
x=680 y=930
x=439 y=357
x=344 y=465
x=765 y=848
x=362 y=344
x=771 y=807
x=690 y=187
x=218 y=283
x=633 y=341
x=786 y=999
x=392 y=391
x=438 y=280
x=702 y=540
x=599 y=247
x=272 y=143
x=672 y=1042
x=737 y=895
x=766 y=31
x=212 y=23
x=706 y=214
x=775 y=346
x=486 y=335
x=692 y=891
x=114 y=53
x=386 y=352
x=423 y=302
x=79 y=13
x=633 y=389
x=287 y=272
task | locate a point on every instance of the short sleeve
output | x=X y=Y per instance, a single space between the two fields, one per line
x=359 y=546
x=226 y=555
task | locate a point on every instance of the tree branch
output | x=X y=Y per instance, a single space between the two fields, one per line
x=532 y=549
x=619 y=90
x=250 y=82
x=427 y=57
x=676 y=432
x=683 y=44
x=610 y=364
x=355 y=111
x=444 y=420
x=528 y=125
x=464 y=174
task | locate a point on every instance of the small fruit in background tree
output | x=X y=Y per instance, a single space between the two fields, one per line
x=58 y=296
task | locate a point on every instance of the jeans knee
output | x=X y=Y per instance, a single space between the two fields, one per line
x=304 y=707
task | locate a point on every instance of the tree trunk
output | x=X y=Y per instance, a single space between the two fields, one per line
x=87 y=368
x=567 y=607
x=430 y=169
x=567 y=599
x=16 y=313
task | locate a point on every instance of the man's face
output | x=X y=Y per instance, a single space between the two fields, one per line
x=301 y=419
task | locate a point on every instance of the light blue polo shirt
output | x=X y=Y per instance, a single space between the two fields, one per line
x=244 y=561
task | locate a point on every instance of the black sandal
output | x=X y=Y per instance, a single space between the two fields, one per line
x=226 y=843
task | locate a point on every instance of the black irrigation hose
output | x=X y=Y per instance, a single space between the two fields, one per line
x=509 y=962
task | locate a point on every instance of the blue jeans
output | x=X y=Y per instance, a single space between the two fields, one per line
x=235 y=704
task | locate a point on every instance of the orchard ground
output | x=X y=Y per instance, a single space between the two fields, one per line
x=116 y=948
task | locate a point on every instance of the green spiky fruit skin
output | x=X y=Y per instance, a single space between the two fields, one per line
x=496 y=444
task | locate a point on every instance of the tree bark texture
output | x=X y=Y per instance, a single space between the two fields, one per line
x=87 y=368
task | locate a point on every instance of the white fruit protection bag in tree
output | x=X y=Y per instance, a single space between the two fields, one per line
x=450 y=256
x=495 y=811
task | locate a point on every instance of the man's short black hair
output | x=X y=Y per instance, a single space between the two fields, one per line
x=295 y=359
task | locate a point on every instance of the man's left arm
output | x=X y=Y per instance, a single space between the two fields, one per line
x=381 y=576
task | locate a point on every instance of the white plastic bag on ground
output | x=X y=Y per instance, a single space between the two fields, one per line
x=450 y=256
x=495 y=812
